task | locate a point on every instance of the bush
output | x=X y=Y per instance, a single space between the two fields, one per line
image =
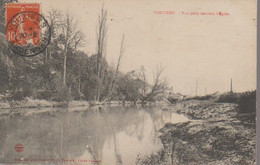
x=207 y=97
x=228 y=98
x=247 y=102
x=44 y=95
x=63 y=94
x=17 y=96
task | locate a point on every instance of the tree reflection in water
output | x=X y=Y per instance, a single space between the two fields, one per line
x=84 y=135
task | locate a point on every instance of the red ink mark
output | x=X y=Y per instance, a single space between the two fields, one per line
x=222 y=13
x=164 y=12
x=191 y=13
x=18 y=147
x=23 y=28
x=58 y=160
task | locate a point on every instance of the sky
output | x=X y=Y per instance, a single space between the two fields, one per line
x=209 y=49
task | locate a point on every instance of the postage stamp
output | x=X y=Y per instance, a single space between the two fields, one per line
x=18 y=147
x=27 y=31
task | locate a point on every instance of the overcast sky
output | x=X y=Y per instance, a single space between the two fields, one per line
x=210 y=49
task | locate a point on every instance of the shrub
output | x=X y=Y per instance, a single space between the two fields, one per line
x=206 y=97
x=44 y=95
x=247 y=102
x=63 y=94
x=228 y=98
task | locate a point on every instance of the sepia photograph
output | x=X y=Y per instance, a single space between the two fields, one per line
x=128 y=82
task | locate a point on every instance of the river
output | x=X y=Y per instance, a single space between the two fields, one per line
x=108 y=135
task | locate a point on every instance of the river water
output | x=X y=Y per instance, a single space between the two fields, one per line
x=108 y=135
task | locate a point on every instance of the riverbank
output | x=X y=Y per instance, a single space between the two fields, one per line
x=217 y=134
x=30 y=106
x=36 y=103
x=30 y=103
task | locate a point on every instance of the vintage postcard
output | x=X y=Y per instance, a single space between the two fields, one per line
x=128 y=82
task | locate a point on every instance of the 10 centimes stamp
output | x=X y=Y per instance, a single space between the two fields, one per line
x=28 y=33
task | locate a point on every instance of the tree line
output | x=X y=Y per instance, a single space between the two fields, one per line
x=62 y=72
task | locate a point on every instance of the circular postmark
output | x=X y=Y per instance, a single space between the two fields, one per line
x=28 y=33
x=18 y=147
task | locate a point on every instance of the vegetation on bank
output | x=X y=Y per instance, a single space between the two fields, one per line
x=62 y=72
x=223 y=132
x=206 y=97
x=218 y=135
x=246 y=101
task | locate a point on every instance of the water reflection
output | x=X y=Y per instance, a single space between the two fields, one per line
x=112 y=135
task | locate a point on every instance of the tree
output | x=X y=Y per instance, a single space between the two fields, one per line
x=144 y=83
x=101 y=45
x=156 y=90
x=54 y=19
x=78 y=72
x=70 y=38
x=129 y=87
x=111 y=87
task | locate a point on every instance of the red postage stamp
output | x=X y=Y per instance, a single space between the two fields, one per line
x=27 y=30
x=18 y=147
